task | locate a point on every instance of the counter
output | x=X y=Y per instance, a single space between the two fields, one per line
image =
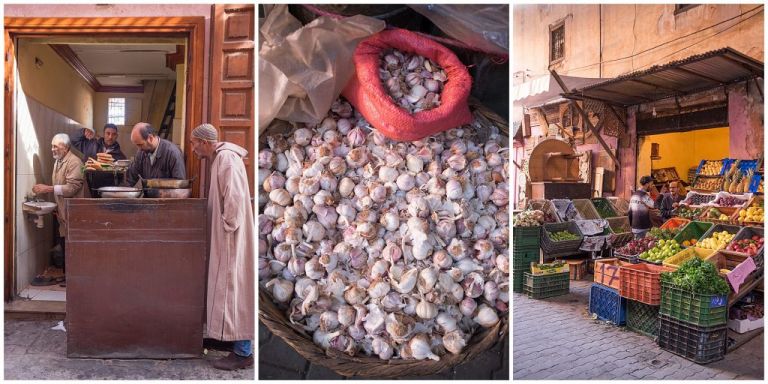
x=136 y=273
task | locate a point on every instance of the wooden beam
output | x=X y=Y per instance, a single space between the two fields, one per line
x=616 y=115
x=71 y=58
x=688 y=71
x=584 y=116
x=757 y=85
x=546 y=122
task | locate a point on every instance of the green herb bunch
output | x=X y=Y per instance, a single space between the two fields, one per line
x=697 y=276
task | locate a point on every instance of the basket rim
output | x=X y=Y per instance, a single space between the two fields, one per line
x=371 y=367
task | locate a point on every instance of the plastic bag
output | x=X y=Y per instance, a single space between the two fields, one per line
x=485 y=27
x=302 y=70
x=367 y=94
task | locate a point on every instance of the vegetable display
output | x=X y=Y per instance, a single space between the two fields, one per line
x=413 y=81
x=689 y=213
x=637 y=246
x=715 y=214
x=562 y=236
x=532 y=218
x=663 y=234
x=698 y=276
x=663 y=250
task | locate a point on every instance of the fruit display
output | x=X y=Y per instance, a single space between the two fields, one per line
x=637 y=246
x=694 y=198
x=748 y=246
x=716 y=214
x=751 y=215
x=708 y=183
x=697 y=276
x=663 y=234
x=531 y=218
x=663 y=250
x=665 y=174
x=717 y=240
x=689 y=213
x=562 y=236
x=690 y=242
x=711 y=168
x=760 y=187
x=730 y=201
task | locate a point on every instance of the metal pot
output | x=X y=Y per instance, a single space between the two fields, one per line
x=168 y=193
x=167 y=183
x=120 y=192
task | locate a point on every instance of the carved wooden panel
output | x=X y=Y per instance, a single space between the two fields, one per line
x=238 y=65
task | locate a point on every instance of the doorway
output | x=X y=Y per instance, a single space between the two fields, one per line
x=27 y=151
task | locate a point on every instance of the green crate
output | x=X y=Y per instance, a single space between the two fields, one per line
x=604 y=207
x=694 y=308
x=694 y=229
x=518 y=278
x=524 y=259
x=526 y=236
x=643 y=318
x=540 y=287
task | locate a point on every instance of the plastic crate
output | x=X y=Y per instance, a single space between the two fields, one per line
x=560 y=247
x=730 y=260
x=518 y=279
x=641 y=282
x=620 y=238
x=524 y=258
x=746 y=165
x=631 y=259
x=526 y=236
x=694 y=308
x=726 y=163
x=681 y=257
x=604 y=207
x=727 y=211
x=566 y=211
x=733 y=229
x=748 y=232
x=608 y=272
x=697 y=199
x=607 y=304
x=698 y=344
x=546 y=206
x=620 y=205
x=586 y=209
x=544 y=286
x=675 y=222
x=643 y=318
x=693 y=230
x=754 y=183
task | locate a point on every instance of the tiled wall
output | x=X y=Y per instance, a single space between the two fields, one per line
x=36 y=126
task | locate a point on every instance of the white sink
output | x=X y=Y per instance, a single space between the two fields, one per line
x=39 y=208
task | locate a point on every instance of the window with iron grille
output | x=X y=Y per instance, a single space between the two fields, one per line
x=557 y=43
x=116 y=110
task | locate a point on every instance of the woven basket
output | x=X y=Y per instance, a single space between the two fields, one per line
x=586 y=209
x=620 y=205
x=547 y=207
x=370 y=367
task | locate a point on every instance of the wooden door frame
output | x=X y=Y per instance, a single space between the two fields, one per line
x=192 y=28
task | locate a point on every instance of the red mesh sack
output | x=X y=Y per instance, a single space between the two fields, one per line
x=367 y=93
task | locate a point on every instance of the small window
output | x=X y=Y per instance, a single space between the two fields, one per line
x=557 y=43
x=116 y=111
x=680 y=8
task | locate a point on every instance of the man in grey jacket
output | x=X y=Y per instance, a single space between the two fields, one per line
x=156 y=159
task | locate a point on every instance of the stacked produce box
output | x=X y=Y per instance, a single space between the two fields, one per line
x=526 y=249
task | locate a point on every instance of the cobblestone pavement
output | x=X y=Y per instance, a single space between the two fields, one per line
x=35 y=352
x=556 y=338
x=277 y=360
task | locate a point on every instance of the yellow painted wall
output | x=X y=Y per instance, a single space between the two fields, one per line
x=54 y=83
x=682 y=150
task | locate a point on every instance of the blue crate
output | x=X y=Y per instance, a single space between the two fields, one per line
x=607 y=304
x=726 y=165
x=755 y=183
x=746 y=165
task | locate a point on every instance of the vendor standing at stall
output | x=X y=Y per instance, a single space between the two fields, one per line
x=67 y=181
x=640 y=206
x=157 y=158
x=670 y=201
x=231 y=277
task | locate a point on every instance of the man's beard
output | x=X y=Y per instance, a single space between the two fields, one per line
x=56 y=157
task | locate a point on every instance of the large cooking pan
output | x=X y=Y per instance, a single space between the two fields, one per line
x=168 y=193
x=167 y=183
x=120 y=192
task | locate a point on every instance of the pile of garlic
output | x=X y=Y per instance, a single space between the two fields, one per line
x=390 y=249
x=414 y=82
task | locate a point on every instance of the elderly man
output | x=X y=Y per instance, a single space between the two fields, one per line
x=67 y=180
x=156 y=159
x=89 y=145
x=230 y=309
x=670 y=201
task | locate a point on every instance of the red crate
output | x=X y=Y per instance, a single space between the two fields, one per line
x=642 y=282
x=608 y=272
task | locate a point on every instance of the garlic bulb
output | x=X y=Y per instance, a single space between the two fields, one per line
x=454 y=341
x=281 y=289
x=446 y=322
x=421 y=349
x=329 y=321
x=426 y=310
x=399 y=327
x=486 y=316
x=381 y=348
x=378 y=289
x=468 y=306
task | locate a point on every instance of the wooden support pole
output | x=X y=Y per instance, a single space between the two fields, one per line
x=584 y=116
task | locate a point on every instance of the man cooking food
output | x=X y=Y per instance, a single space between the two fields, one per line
x=156 y=159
